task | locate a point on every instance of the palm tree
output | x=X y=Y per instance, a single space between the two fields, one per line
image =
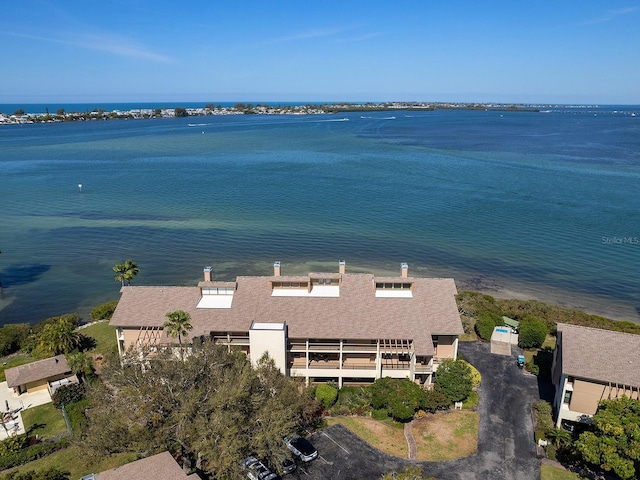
x=178 y=325
x=59 y=337
x=81 y=364
x=558 y=436
x=125 y=272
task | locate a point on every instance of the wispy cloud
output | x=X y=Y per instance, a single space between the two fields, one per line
x=113 y=44
x=612 y=14
x=308 y=34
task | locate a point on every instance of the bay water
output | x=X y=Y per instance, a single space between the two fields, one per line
x=529 y=205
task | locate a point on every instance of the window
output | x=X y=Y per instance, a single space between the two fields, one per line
x=567 y=397
x=393 y=286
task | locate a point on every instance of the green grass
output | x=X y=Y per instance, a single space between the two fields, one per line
x=46 y=421
x=104 y=335
x=75 y=461
x=547 y=472
x=14 y=361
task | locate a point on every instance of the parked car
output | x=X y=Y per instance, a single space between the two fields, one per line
x=301 y=448
x=287 y=464
x=256 y=470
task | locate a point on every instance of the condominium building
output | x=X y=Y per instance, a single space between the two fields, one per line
x=590 y=365
x=349 y=328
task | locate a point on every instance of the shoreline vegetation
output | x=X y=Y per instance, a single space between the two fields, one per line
x=21 y=117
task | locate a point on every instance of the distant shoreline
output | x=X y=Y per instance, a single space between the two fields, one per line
x=20 y=116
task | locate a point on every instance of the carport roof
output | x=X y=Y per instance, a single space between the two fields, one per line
x=35 y=371
x=601 y=355
x=158 y=467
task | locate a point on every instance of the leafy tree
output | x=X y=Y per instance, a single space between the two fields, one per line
x=51 y=473
x=66 y=394
x=59 y=337
x=212 y=405
x=104 y=311
x=532 y=333
x=60 y=112
x=453 y=378
x=180 y=112
x=401 y=397
x=326 y=395
x=125 y=272
x=435 y=400
x=11 y=336
x=19 y=112
x=613 y=442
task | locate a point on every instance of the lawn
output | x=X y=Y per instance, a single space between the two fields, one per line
x=104 y=335
x=46 y=421
x=76 y=462
x=547 y=472
x=446 y=435
x=387 y=436
x=14 y=361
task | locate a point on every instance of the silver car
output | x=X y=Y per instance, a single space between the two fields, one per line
x=301 y=448
x=256 y=470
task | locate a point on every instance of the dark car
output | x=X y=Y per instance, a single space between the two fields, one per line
x=256 y=470
x=301 y=448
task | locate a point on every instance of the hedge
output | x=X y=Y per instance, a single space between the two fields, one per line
x=30 y=454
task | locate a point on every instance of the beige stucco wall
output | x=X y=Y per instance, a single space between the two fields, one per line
x=586 y=396
x=272 y=341
x=446 y=346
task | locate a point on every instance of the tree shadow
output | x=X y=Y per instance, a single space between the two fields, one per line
x=543 y=360
x=34 y=427
x=86 y=343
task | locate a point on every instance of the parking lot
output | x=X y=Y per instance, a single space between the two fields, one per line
x=506 y=448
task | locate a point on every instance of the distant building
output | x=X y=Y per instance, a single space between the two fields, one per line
x=48 y=374
x=336 y=326
x=157 y=467
x=590 y=365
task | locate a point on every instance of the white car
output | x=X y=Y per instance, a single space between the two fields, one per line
x=301 y=448
x=256 y=470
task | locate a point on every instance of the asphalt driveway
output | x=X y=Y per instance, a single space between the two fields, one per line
x=506 y=450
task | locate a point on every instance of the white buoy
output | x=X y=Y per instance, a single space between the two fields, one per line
x=80 y=186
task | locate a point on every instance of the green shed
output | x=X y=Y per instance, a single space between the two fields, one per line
x=510 y=322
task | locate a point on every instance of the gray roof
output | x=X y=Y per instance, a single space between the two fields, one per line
x=600 y=355
x=35 y=371
x=356 y=314
x=157 y=467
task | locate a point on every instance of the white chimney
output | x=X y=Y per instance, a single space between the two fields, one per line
x=404 y=270
x=276 y=269
x=208 y=274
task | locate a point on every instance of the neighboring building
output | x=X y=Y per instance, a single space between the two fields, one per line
x=157 y=467
x=590 y=365
x=342 y=327
x=49 y=374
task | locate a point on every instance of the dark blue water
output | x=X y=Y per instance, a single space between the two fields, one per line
x=540 y=205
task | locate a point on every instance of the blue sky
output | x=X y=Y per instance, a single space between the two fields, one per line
x=465 y=51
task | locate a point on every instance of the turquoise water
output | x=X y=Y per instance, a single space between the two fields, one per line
x=530 y=204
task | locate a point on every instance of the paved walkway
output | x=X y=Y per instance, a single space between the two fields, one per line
x=411 y=441
x=17 y=403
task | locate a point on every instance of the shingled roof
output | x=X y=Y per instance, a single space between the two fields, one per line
x=35 y=371
x=157 y=467
x=600 y=355
x=355 y=314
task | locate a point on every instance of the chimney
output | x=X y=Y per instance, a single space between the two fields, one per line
x=276 y=269
x=404 y=270
x=342 y=267
x=207 y=273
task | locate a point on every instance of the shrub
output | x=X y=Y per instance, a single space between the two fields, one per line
x=380 y=414
x=471 y=401
x=352 y=401
x=326 y=395
x=532 y=333
x=104 y=311
x=453 y=378
x=77 y=418
x=485 y=324
x=51 y=473
x=68 y=394
x=32 y=453
x=11 y=336
x=476 y=378
x=13 y=444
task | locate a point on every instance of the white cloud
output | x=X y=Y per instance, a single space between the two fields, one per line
x=113 y=44
x=612 y=14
